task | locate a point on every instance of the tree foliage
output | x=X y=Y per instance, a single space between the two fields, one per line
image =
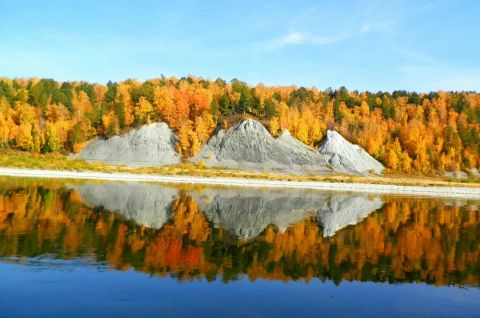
x=408 y=131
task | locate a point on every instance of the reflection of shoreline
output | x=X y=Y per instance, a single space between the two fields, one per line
x=409 y=240
x=246 y=213
x=146 y=204
x=341 y=211
x=435 y=191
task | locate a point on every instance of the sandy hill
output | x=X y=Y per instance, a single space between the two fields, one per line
x=150 y=145
x=249 y=146
x=246 y=146
x=345 y=157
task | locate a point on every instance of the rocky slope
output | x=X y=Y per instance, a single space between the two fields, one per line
x=345 y=157
x=150 y=145
x=249 y=146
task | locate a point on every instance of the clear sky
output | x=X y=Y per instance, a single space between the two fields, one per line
x=364 y=45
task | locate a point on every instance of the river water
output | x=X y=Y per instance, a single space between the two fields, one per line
x=91 y=249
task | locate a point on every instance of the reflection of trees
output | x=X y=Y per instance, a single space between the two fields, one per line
x=408 y=240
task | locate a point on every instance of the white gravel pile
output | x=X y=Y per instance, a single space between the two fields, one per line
x=345 y=157
x=150 y=145
x=249 y=146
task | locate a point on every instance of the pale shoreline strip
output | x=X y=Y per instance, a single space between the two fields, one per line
x=431 y=191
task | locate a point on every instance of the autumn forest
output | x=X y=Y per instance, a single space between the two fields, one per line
x=423 y=133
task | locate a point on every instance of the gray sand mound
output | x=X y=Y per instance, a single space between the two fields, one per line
x=294 y=145
x=150 y=145
x=345 y=157
x=249 y=146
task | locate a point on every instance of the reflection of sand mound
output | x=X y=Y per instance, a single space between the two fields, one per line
x=147 y=205
x=244 y=212
x=343 y=210
x=150 y=145
x=247 y=212
x=346 y=157
x=249 y=146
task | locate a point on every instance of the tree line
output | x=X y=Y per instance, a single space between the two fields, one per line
x=409 y=132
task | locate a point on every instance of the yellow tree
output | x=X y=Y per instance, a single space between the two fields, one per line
x=110 y=124
x=124 y=97
x=183 y=134
x=52 y=142
x=81 y=105
x=302 y=131
x=143 y=110
x=194 y=144
x=274 y=126
x=203 y=127
x=7 y=124
x=392 y=160
x=23 y=138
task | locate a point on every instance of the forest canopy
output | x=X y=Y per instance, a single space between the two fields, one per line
x=409 y=132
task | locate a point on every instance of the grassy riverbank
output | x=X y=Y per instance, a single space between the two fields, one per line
x=18 y=159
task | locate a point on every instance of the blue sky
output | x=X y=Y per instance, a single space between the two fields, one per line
x=364 y=45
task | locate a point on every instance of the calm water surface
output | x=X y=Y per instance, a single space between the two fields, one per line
x=127 y=249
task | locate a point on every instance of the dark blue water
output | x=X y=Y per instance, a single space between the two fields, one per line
x=78 y=291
